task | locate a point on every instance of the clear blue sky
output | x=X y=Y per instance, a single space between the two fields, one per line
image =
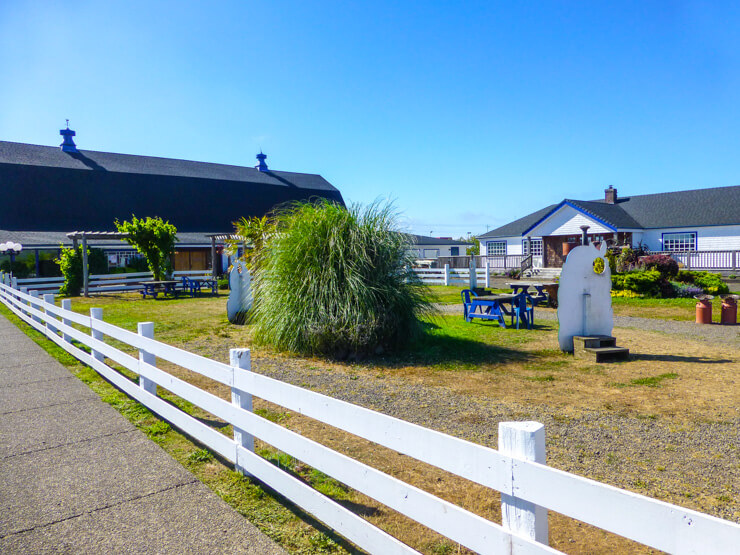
x=468 y=115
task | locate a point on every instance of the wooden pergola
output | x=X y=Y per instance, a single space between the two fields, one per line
x=84 y=236
x=222 y=238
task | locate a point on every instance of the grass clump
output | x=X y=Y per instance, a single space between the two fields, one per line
x=336 y=281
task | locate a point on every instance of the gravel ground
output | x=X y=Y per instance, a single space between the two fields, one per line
x=691 y=464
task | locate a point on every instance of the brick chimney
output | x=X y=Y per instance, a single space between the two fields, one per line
x=610 y=195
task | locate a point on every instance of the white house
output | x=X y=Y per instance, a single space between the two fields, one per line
x=431 y=248
x=680 y=222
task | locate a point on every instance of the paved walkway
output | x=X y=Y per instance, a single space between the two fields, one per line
x=77 y=477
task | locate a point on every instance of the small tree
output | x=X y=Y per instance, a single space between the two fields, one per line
x=70 y=264
x=154 y=239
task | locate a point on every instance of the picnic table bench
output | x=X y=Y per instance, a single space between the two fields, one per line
x=154 y=288
x=518 y=307
x=545 y=291
x=195 y=285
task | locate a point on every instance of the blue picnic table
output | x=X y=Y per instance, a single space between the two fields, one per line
x=153 y=288
x=518 y=307
x=540 y=288
x=195 y=285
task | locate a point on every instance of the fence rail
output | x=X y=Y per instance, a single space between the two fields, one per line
x=102 y=283
x=527 y=486
x=502 y=262
x=706 y=260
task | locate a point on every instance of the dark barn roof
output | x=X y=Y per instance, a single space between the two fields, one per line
x=426 y=240
x=45 y=189
x=696 y=208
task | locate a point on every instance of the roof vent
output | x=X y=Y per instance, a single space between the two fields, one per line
x=610 y=195
x=68 y=145
x=261 y=166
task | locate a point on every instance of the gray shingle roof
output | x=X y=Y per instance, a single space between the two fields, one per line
x=695 y=208
x=46 y=189
x=52 y=239
x=52 y=157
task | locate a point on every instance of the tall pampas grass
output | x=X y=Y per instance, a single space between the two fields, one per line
x=336 y=281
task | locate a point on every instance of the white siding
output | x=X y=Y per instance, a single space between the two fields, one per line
x=434 y=251
x=513 y=244
x=715 y=238
x=568 y=221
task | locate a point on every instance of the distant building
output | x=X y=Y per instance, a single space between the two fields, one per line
x=431 y=248
x=677 y=222
x=47 y=192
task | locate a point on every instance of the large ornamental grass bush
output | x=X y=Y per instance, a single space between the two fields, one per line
x=336 y=281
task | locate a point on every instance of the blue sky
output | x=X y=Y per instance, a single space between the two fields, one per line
x=468 y=115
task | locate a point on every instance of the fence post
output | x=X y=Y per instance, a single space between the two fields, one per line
x=488 y=274
x=67 y=305
x=447 y=274
x=96 y=314
x=241 y=361
x=35 y=295
x=734 y=261
x=24 y=290
x=146 y=329
x=49 y=299
x=524 y=440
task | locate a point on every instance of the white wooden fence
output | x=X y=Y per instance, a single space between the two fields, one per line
x=453 y=276
x=517 y=469
x=102 y=283
x=706 y=260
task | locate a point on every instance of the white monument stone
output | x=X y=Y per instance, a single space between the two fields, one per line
x=240 y=296
x=584 y=297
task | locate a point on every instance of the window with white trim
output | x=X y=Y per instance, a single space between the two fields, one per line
x=496 y=248
x=679 y=242
x=536 y=247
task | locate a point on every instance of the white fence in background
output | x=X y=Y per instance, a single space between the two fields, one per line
x=103 y=283
x=706 y=260
x=528 y=486
x=453 y=276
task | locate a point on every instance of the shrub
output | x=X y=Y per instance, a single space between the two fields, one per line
x=645 y=283
x=19 y=268
x=711 y=284
x=70 y=264
x=336 y=281
x=611 y=256
x=663 y=263
x=685 y=291
x=629 y=258
x=138 y=264
x=155 y=239
x=514 y=273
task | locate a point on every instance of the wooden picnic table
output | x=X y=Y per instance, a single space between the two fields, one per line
x=546 y=291
x=153 y=288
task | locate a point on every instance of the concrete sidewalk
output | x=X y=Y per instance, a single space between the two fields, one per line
x=77 y=477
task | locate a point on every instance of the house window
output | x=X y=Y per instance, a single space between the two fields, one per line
x=536 y=247
x=454 y=251
x=496 y=248
x=431 y=253
x=679 y=242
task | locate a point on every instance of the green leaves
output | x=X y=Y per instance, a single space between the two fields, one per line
x=336 y=281
x=154 y=239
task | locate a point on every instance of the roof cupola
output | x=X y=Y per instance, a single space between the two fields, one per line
x=261 y=166
x=68 y=145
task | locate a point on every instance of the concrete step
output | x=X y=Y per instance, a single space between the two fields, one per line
x=607 y=354
x=593 y=341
